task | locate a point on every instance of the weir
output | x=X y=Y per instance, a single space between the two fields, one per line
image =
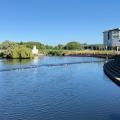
x=49 y=65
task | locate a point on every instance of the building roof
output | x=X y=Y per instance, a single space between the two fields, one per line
x=118 y=29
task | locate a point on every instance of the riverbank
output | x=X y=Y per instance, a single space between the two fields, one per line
x=75 y=53
x=82 y=53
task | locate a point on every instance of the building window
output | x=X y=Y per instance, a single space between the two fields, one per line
x=115 y=35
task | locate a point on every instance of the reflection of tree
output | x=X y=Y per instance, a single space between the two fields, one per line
x=17 y=61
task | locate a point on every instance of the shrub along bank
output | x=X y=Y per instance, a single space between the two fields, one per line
x=18 y=52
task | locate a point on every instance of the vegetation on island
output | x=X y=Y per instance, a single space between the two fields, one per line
x=15 y=51
x=22 y=50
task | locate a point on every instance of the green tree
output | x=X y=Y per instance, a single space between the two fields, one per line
x=73 y=46
x=18 y=52
x=21 y=52
x=48 y=47
x=8 y=44
x=31 y=44
x=60 y=46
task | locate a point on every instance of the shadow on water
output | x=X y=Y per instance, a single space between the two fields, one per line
x=114 y=117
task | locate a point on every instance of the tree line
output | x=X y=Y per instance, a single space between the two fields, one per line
x=20 y=50
x=69 y=46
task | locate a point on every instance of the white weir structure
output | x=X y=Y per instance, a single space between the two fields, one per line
x=34 y=50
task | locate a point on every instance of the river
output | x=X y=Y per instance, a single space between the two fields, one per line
x=53 y=91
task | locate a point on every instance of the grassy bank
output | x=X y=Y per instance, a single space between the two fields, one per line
x=77 y=52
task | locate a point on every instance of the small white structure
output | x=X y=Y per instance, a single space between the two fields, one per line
x=34 y=50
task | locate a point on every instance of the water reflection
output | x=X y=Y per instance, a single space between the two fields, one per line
x=22 y=61
x=36 y=59
x=17 y=61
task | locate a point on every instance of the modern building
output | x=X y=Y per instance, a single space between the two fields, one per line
x=34 y=50
x=112 y=38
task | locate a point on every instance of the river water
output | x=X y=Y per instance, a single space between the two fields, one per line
x=69 y=92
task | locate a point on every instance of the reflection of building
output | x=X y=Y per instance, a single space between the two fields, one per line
x=34 y=50
x=112 y=38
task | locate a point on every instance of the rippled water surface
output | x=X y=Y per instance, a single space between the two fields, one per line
x=69 y=92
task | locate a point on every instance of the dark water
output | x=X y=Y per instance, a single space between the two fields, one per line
x=72 y=92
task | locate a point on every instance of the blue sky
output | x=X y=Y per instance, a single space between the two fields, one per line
x=57 y=21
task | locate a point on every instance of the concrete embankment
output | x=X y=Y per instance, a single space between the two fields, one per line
x=112 y=70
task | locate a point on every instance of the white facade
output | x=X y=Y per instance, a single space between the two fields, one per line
x=112 y=38
x=34 y=50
